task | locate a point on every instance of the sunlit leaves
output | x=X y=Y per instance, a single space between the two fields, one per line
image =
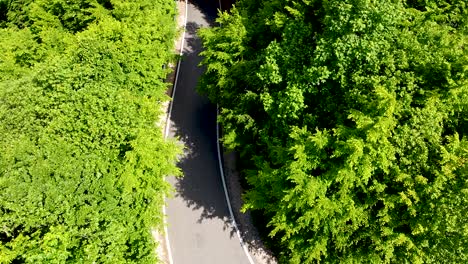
x=351 y=119
x=82 y=161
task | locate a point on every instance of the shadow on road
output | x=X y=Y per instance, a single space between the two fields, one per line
x=194 y=123
x=208 y=7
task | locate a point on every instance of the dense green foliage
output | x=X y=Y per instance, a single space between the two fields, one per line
x=351 y=118
x=82 y=161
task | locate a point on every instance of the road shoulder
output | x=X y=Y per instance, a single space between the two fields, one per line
x=160 y=236
x=244 y=221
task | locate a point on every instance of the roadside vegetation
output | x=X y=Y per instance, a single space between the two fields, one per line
x=351 y=121
x=82 y=159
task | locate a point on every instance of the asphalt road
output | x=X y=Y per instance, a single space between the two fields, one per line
x=199 y=228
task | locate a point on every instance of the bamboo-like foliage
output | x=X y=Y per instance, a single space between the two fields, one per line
x=351 y=119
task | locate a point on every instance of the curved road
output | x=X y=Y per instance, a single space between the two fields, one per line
x=199 y=226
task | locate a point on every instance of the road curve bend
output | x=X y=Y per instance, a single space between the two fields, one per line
x=200 y=227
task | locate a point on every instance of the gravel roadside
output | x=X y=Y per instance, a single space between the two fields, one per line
x=248 y=231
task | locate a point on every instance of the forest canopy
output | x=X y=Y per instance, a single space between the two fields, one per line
x=351 y=121
x=82 y=159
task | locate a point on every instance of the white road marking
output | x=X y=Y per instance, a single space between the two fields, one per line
x=168 y=125
x=228 y=200
x=226 y=194
x=166 y=132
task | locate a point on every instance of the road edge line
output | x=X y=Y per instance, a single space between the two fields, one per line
x=168 y=125
x=166 y=132
x=226 y=194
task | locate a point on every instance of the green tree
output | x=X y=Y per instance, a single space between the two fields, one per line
x=351 y=118
x=82 y=163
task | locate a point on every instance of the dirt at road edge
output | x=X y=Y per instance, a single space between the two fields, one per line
x=249 y=233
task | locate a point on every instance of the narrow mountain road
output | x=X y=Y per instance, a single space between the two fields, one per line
x=199 y=226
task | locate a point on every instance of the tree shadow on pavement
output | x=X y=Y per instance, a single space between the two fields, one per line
x=194 y=123
x=209 y=8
